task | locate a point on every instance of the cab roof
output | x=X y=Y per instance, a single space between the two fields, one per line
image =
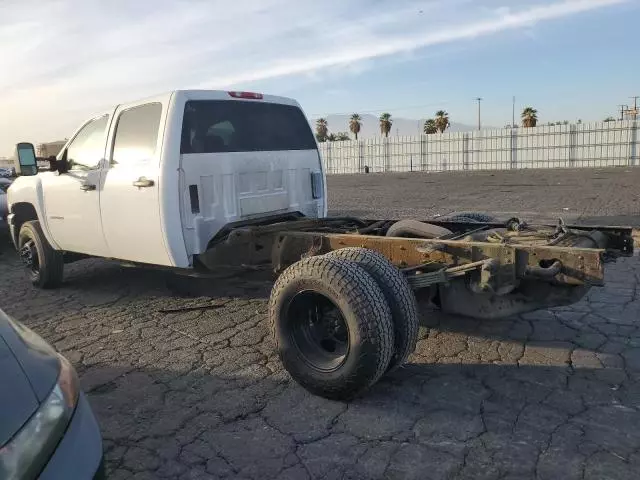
x=233 y=95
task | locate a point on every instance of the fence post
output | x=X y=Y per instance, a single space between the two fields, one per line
x=385 y=153
x=465 y=151
x=513 y=152
x=573 y=140
x=633 y=151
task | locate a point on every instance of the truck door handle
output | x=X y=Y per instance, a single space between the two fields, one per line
x=143 y=182
x=87 y=187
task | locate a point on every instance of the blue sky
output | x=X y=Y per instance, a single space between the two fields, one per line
x=64 y=60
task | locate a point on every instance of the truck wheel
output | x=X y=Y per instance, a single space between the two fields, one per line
x=44 y=264
x=468 y=217
x=332 y=326
x=397 y=293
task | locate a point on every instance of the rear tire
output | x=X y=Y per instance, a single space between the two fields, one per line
x=45 y=265
x=332 y=326
x=397 y=293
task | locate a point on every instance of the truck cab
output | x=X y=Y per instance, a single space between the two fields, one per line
x=154 y=181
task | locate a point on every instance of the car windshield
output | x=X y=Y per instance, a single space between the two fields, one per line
x=213 y=126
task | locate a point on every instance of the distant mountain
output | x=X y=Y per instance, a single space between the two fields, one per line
x=401 y=126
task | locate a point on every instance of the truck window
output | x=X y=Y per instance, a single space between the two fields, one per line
x=136 y=134
x=214 y=126
x=87 y=148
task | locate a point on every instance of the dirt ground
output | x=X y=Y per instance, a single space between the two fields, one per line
x=200 y=394
x=590 y=196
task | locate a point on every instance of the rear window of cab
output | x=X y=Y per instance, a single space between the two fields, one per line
x=216 y=126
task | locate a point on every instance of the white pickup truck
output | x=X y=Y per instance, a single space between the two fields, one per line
x=200 y=180
x=153 y=181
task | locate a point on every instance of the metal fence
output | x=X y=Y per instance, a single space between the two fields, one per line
x=601 y=144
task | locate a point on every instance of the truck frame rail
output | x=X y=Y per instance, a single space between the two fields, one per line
x=480 y=269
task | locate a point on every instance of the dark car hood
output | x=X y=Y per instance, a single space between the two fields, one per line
x=18 y=401
x=28 y=373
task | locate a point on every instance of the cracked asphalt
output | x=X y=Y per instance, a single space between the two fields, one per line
x=196 y=394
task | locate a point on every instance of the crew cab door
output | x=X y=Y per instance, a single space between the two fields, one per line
x=72 y=199
x=130 y=194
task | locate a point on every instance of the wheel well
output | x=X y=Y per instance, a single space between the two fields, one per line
x=23 y=212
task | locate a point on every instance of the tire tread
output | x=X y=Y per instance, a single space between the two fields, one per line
x=399 y=297
x=361 y=292
x=51 y=261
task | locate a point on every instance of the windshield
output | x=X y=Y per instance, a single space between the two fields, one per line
x=213 y=126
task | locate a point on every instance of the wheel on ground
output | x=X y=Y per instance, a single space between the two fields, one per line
x=416 y=229
x=44 y=265
x=468 y=217
x=332 y=326
x=397 y=293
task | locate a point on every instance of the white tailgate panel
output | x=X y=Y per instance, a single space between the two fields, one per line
x=244 y=185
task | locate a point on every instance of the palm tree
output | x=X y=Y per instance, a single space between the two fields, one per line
x=385 y=124
x=322 y=129
x=341 y=137
x=442 y=121
x=529 y=117
x=430 y=126
x=355 y=123
x=609 y=119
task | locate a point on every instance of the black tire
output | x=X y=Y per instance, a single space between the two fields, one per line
x=320 y=291
x=45 y=265
x=416 y=229
x=468 y=217
x=399 y=297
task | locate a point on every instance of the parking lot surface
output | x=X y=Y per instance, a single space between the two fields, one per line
x=194 y=393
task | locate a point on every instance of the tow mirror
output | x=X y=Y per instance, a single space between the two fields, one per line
x=61 y=165
x=25 y=159
x=53 y=163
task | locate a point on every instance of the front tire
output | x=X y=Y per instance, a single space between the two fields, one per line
x=45 y=266
x=332 y=326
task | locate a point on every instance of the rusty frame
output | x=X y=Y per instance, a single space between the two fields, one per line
x=282 y=245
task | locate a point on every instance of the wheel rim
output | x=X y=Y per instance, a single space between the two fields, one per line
x=29 y=256
x=318 y=330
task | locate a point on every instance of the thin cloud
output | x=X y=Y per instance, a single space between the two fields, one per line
x=506 y=21
x=61 y=60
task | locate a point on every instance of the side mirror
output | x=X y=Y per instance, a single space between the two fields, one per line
x=25 y=159
x=62 y=165
x=53 y=163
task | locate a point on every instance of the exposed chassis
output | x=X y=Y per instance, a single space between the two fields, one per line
x=517 y=268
